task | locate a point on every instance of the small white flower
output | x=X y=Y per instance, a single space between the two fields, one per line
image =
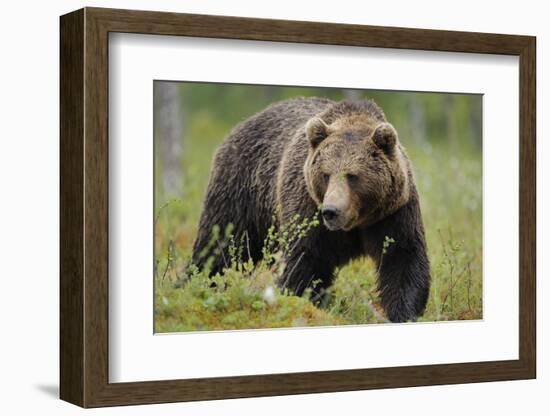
x=269 y=295
x=164 y=300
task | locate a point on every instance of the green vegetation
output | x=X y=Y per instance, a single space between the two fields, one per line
x=442 y=134
x=246 y=296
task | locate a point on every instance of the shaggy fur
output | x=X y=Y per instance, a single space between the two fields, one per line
x=303 y=154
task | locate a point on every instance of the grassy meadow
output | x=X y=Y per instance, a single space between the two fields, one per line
x=442 y=135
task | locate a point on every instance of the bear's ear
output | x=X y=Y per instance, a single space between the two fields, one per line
x=316 y=131
x=385 y=137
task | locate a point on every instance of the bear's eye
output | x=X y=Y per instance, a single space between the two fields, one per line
x=375 y=154
x=352 y=178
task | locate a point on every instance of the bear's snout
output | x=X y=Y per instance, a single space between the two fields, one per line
x=333 y=217
x=336 y=206
x=330 y=213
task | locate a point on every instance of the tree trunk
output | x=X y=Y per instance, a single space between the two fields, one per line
x=169 y=126
x=417 y=120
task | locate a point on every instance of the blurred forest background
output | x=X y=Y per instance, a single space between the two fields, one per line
x=443 y=137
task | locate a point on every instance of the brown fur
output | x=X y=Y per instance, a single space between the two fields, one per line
x=306 y=154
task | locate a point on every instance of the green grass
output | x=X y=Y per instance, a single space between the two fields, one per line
x=449 y=180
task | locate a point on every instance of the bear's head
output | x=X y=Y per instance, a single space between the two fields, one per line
x=356 y=170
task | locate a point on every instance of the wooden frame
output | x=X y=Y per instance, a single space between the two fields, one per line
x=84 y=207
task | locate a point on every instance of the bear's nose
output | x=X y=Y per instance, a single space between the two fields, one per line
x=329 y=213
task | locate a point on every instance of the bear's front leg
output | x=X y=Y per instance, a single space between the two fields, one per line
x=404 y=282
x=306 y=270
x=403 y=265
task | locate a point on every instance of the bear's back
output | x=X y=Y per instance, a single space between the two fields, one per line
x=274 y=126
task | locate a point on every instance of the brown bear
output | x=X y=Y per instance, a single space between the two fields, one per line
x=343 y=160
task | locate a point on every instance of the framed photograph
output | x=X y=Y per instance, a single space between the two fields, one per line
x=255 y=207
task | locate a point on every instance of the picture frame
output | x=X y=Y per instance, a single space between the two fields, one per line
x=84 y=214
